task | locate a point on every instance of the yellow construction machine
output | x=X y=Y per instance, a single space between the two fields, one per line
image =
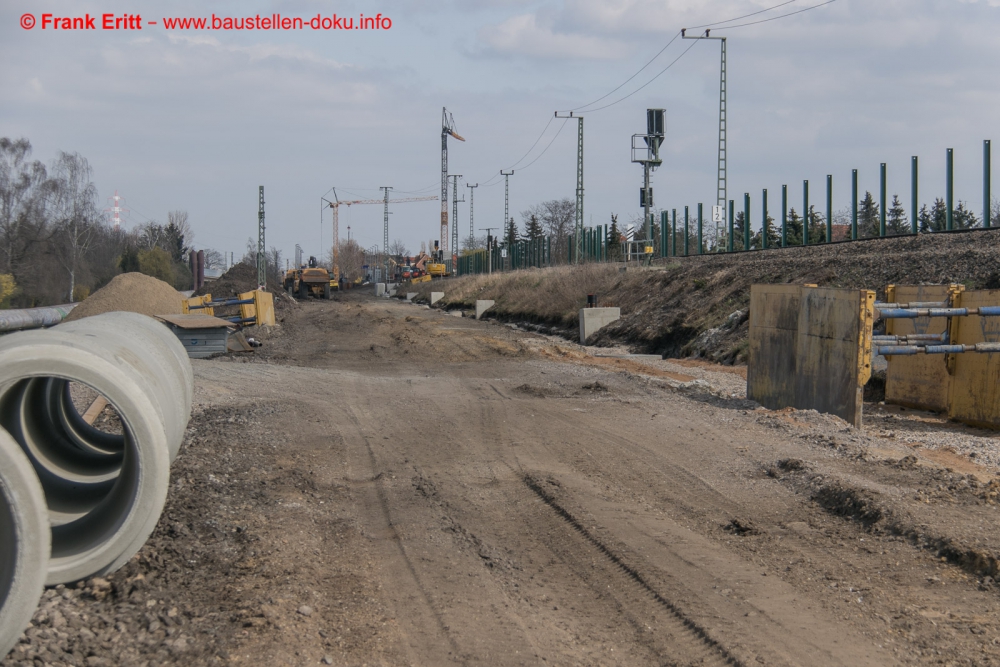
x=311 y=279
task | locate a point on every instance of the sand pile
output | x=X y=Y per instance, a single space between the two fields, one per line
x=134 y=292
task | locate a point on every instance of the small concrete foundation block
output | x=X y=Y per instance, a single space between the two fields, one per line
x=436 y=296
x=379 y=289
x=482 y=305
x=410 y=295
x=592 y=319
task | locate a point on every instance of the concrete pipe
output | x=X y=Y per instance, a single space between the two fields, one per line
x=156 y=353
x=101 y=512
x=24 y=542
x=144 y=330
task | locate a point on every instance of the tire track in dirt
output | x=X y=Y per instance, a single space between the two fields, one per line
x=700 y=646
x=382 y=517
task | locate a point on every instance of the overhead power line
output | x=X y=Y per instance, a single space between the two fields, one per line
x=496 y=178
x=782 y=16
x=745 y=16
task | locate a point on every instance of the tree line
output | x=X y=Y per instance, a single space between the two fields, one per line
x=56 y=247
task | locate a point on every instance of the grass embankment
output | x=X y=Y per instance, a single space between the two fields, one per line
x=697 y=305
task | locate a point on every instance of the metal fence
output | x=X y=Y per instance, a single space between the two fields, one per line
x=682 y=232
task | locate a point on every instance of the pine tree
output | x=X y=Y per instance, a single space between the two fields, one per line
x=738 y=231
x=533 y=229
x=897 y=222
x=614 y=239
x=793 y=229
x=868 y=217
x=773 y=236
x=510 y=234
x=963 y=217
x=817 y=226
x=924 y=220
x=939 y=216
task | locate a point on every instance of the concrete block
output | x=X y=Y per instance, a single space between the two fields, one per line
x=410 y=295
x=436 y=296
x=592 y=319
x=482 y=305
x=379 y=289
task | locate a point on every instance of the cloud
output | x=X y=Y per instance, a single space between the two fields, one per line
x=525 y=35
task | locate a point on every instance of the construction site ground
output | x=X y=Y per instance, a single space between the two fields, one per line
x=388 y=484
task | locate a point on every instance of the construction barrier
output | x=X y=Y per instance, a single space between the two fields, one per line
x=942 y=345
x=810 y=348
x=255 y=308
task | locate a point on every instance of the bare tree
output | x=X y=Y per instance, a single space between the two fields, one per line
x=557 y=216
x=150 y=235
x=398 y=249
x=23 y=189
x=179 y=220
x=214 y=259
x=74 y=212
x=350 y=259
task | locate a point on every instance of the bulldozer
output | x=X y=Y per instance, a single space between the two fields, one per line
x=310 y=278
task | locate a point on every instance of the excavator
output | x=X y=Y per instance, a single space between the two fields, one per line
x=436 y=268
x=310 y=278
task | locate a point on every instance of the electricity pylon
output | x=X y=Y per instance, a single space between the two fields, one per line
x=472 y=205
x=578 y=226
x=721 y=185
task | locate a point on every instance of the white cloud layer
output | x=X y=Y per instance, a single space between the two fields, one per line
x=197 y=120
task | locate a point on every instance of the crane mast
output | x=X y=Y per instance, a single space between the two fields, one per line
x=447 y=129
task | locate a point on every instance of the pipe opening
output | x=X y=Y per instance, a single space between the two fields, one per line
x=89 y=476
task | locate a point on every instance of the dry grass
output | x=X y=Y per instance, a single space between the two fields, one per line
x=683 y=308
x=550 y=296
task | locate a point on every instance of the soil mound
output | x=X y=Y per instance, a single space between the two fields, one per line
x=133 y=292
x=699 y=305
x=239 y=279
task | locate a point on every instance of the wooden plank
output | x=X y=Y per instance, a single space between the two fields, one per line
x=974 y=395
x=918 y=381
x=195 y=321
x=90 y=416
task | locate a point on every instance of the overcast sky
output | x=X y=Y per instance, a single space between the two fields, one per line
x=197 y=120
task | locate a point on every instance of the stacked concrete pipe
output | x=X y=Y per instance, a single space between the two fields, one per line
x=102 y=494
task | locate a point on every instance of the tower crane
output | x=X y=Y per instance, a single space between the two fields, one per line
x=337 y=203
x=447 y=129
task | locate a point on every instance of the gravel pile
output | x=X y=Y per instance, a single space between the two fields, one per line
x=133 y=292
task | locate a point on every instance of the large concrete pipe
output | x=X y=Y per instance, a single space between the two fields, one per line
x=159 y=354
x=102 y=510
x=24 y=542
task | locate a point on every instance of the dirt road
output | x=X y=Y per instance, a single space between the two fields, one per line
x=384 y=484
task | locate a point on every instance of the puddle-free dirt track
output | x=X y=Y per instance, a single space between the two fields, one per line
x=383 y=484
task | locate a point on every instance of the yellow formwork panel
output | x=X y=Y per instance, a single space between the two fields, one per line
x=975 y=384
x=261 y=311
x=918 y=381
x=264 y=303
x=187 y=305
x=810 y=348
